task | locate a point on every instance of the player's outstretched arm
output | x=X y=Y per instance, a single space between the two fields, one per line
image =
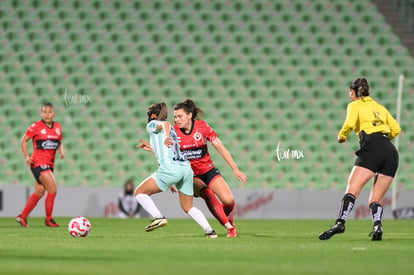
x=222 y=150
x=144 y=145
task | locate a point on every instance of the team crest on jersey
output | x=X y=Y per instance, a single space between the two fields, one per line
x=57 y=130
x=197 y=136
x=43 y=131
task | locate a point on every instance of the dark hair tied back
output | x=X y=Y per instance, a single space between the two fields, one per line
x=46 y=104
x=189 y=107
x=360 y=86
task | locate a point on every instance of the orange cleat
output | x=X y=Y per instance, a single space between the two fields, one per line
x=231 y=232
x=21 y=221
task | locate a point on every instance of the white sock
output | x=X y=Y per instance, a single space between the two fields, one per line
x=228 y=225
x=148 y=204
x=199 y=218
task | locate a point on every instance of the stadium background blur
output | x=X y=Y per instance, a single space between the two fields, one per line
x=268 y=74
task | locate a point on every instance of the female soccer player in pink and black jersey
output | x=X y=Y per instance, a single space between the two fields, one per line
x=46 y=135
x=193 y=135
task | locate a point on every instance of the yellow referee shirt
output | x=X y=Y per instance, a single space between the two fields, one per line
x=367 y=115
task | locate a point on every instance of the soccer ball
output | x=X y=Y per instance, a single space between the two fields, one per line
x=79 y=227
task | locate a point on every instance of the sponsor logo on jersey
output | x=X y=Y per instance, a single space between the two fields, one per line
x=196 y=153
x=47 y=144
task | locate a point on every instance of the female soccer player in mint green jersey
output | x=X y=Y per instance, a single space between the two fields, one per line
x=173 y=170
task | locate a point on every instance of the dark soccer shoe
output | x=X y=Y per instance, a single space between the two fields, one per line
x=211 y=235
x=338 y=228
x=376 y=234
x=51 y=223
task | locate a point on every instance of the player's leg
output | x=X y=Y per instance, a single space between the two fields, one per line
x=222 y=190
x=47 y=179
x=142 y=193
x=185 y=187
x=213 y=204
x=33 y=199
x=31 y=203
x=186 y=203
x=378 y=190
x=358 y=177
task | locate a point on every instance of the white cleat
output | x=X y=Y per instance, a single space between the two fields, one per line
x=156 y=223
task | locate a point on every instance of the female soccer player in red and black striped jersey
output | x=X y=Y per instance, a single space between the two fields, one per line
x=193 y=135
x=46 y=135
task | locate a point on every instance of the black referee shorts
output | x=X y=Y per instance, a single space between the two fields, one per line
x=379 y=155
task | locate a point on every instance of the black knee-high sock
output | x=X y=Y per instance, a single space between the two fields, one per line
x=377 y=210
x=347 y=204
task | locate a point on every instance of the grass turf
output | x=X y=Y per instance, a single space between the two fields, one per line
x=119 y=246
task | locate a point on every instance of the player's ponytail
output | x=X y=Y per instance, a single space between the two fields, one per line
x=189 y=107
x=360 y=86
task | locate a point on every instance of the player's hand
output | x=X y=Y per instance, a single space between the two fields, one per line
x=240 y=176
x=62 y=155
x=168 y=142
x=28 y=160
x=144 y=145
x=341 y=140
x=173 y=189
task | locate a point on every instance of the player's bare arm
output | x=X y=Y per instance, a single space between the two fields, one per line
x=61 y=151
x=23 y=144
x=165 y=126
x=222 y=150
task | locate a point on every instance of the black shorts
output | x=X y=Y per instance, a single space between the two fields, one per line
x=38 y=170
x=208 y=177
x=378 y=155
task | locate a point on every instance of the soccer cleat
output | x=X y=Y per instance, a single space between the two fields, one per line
x=211 y=235
x=51 y=223
x=231 y=221
x=376 y=234
x=156 y=223
x=231 y=233
x=21 y=221
x=338 y=228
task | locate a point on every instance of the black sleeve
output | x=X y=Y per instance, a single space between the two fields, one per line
x=121 y=207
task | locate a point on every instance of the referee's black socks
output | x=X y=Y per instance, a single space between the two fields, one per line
x=377 y=210
x=347 y=204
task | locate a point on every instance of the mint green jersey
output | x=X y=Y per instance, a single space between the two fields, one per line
x=164 y=154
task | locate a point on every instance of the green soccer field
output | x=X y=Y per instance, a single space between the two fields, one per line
x=117 y=246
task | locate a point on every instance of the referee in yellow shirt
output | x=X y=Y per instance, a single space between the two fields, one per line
x=377 y=157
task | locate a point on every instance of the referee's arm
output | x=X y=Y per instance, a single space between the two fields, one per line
x=349 y=123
